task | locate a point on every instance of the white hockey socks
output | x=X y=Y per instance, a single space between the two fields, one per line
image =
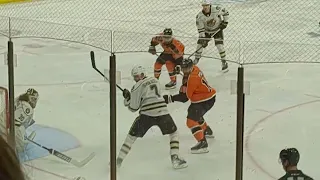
x=125 y=148
x=222 y=51
x=174 y=143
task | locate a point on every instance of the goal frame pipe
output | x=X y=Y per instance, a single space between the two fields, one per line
x=240 y=124
x=113 y=118
x=10 y=59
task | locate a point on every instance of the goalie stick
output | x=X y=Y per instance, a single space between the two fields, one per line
x=93 y=62
x=65 y=157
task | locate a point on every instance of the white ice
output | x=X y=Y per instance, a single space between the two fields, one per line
x=74 y=98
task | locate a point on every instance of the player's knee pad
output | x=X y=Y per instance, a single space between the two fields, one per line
x=191 y=123
x=201 y=121
x=170 y=66
x=174 y=136
x=194 y=126
x=218 y=42
x=130 y=139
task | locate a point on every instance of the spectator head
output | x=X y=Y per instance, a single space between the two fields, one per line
x=10 y=168
x=289 y=158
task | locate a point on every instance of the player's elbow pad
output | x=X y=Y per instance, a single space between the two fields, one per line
x=132 y=109
x=153 y=43
x=181 y=97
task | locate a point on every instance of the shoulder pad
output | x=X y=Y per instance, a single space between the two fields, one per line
x=195 y=70
x=199 y=15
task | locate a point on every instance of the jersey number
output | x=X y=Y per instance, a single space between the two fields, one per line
x=21 y=117
x=204 y=81
x=154 y=88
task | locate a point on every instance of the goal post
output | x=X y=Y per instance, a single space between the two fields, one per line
x=4 y=112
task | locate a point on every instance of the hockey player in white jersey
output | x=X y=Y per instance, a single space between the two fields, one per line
x=146 y=96
x=24 y=109
x=211 y=22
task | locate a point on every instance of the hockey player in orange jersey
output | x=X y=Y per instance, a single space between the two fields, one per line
x=171 y=56
x=196 y=89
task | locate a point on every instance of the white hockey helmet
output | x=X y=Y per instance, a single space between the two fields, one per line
x=138 y=72
x=206 y=2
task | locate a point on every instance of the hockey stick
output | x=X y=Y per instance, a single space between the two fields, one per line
x=93 y=62
x=201 y=46
x=65 y=157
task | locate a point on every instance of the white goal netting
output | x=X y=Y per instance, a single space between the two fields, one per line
x=4 y=125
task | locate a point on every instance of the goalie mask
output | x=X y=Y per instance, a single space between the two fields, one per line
x=33 y=97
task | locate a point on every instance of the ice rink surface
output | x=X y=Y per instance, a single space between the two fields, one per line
x=281 y=110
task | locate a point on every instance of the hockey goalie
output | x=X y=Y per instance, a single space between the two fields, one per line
x=24 y=106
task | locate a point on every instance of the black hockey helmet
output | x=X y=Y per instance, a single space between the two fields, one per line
x=186 y=63
x=291 y=155
x=167 y=35
x=167 y=32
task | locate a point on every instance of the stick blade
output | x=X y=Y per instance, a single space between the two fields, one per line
x=83 y=162
x=93 y=60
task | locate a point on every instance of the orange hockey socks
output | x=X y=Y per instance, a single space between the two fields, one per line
x=170 y=67
x=157 y=69
x=203 y=124
x=195 y=129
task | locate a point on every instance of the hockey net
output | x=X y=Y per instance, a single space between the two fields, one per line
x=4 y=112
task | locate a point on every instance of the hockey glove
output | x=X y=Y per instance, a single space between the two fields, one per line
x=177 y=69
x=168 y=99
x=126 y=94
x=152 y=50
x=126 y=102
x=28 y=123
x=203 y=42
x=223 y=25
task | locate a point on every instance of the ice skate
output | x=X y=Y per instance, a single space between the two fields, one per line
x=178 y=163
x=224 y=66
x=171 y=85
x=200 y=148
x=208 y=132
